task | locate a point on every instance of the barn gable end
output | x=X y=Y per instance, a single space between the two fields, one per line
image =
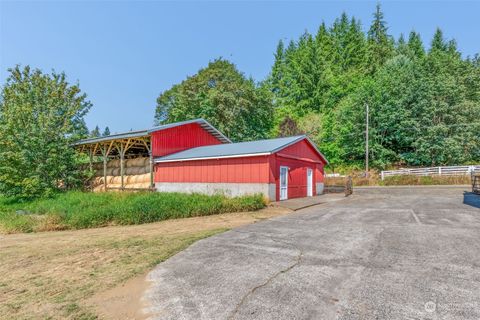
x=179 y=138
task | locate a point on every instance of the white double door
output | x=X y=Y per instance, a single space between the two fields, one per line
x=284 y=183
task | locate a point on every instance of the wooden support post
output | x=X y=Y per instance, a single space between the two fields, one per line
x=152 y=184
x=105 y=152
x=90 y=165
x=121 y=151
x=90 y=156
x=105 y=172
x=150 y=156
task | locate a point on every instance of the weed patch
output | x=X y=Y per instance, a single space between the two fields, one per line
x=81 y=210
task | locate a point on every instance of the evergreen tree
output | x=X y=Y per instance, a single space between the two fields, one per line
x=438 y=42
x=418 y=101
x=380 y=43
x=106 y=132
x=95 y=133
x=415 y=45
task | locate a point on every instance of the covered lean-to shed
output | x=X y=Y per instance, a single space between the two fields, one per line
x=127 y=158
x=193 y=156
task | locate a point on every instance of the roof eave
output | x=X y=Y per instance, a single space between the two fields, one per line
x=302 y=137
x=128 y=135
x=160 y=160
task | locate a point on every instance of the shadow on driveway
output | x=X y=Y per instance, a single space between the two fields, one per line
x=471 y=199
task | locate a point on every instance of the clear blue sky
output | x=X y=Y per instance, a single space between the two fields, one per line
x=125 y=53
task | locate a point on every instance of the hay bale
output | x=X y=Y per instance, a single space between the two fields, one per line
x=133 y=170
x=97 y=165
x=138 y=162
x=116 y=180
x=115 y=163
x=142 y=178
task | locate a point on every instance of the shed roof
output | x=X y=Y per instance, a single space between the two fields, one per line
x=240 y=149
x=143 y=133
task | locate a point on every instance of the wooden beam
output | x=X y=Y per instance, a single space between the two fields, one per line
x=150 y=156
x=121 y=150
x=105 y=152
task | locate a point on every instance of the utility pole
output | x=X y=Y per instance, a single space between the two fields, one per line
x=366 y=144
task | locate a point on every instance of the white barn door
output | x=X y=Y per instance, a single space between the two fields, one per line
x=309 y=182
x=283 y=183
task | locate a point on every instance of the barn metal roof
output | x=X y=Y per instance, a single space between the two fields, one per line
x=240 y=149
x=125 y=135
x=142 y=133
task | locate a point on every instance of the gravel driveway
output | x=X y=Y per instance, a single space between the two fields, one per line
x=386 y=253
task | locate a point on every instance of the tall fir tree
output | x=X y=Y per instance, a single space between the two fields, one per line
x=95 y=133
x=380 y=43
x=106 y=132
x=415 y=45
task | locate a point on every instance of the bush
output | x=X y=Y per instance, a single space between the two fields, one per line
x=79 y=210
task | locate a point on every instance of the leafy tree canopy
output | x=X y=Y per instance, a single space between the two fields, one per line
x=223 y=96
x=40 y=116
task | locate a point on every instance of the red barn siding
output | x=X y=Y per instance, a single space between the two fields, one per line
x=297 y=157
x=257 y=169
x=180 y=138
x=302 y=150
x=297 y=176
x=227 y=170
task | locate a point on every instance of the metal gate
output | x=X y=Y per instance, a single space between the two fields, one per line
x=476 y=183
x=345 y=186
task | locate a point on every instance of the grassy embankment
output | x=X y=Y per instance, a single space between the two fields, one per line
x=79 y=210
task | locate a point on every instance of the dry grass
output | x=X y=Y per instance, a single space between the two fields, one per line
x=375 y=180
x=52 y=275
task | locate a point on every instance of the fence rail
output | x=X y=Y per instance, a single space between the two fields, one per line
x=433 y=171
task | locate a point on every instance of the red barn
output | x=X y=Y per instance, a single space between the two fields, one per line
x=193 y=156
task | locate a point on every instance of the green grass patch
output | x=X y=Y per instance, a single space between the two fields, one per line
x=79 y=210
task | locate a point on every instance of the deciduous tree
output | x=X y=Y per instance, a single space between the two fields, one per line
x=40 y=116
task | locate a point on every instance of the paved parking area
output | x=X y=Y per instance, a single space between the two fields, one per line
x=400 y=253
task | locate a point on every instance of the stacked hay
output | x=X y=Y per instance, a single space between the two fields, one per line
x=136 y=174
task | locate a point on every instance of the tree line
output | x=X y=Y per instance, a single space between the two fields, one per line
x=424 y=104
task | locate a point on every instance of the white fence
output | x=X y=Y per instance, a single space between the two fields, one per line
x=434 y=171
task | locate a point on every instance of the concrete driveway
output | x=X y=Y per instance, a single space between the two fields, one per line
x=396 y=253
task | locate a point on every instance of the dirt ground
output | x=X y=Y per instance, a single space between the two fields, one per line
x=96 y=273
